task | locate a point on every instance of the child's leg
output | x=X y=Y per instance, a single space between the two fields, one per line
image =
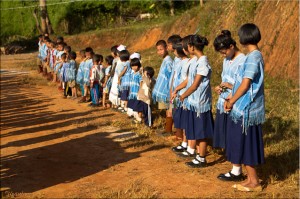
x=169 y=121
x=103 y=99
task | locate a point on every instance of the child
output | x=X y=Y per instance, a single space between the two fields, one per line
x=107 y=81
x=39 y=58
x=95 y=81
x=134 y=85
x=65 y=66
x=233 y=60
x=144 y=95
x=116 y=70
x=58 y=61
x=124 y=79
x=161 y=91
x=72 y=74
x=44 y=55
x=181 y=113
x=52 y=59
x=101 y=78
x=79 y=76
x=86 y=68
x=244 y=144
x=67 y=50
x=199 y=117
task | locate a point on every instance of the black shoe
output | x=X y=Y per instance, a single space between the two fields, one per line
x=178 y=149
x=186 y=154
x=232 y=177
x=90 y=104
x=196 y=164
x=89 y=100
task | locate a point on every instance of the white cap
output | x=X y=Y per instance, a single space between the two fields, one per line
x=121 y=47
x=135 y=55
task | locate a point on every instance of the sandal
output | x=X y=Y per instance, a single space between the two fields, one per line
x=248 y=189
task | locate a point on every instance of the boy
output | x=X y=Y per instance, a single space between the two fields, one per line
x=95 y=80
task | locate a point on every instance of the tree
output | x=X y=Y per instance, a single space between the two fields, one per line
x=45 y=21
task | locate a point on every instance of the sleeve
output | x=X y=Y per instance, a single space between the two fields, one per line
x=169 y=66
x=202 y=69
x=251 y=68
x=92 y=76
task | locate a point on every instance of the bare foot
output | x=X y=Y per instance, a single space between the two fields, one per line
x=246 y=182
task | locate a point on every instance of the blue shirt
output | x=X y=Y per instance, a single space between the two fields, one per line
x=161 y=91
x=87 y=66
x=125 y=80
x=250 y=107
x=175 y=68
x=228 y=74
x=135 y=81
x=200 y=100
x=79 y=76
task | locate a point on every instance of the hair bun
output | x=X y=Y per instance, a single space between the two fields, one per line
x=226 y=33
x=204 y=41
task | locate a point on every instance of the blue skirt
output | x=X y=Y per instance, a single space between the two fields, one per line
x=199 y=127
x=219 y=139
x=124 y=95
x=179 y=115
x=242 y=148
x=132 y=103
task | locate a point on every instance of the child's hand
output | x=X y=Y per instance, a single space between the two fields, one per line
x=227 y=104
x=91 y=84
x=104 y=85
x=226 y=85
x=119 y=81
x=218 y=90
x=174 y=94
x=181 y=98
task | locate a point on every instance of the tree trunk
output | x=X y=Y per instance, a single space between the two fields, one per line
x=171 y=7
x=48 y=23
x=38 y=26
x=43 y=15
x=201 y=3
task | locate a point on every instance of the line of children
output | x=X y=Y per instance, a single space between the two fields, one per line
x=183 y=89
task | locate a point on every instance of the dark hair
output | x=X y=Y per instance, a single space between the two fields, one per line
x=109 y=59
x=64 y=55
x=224 y=40
x=198 y=42
x=135 y=62
x=60 y=38
x=89 y=50
x=124 y=55
x=40 y=36
x=101 y=58
x=185 y=42
x=174 y=39
x=97 y=58
x=161 y=43
x=150 y=71
x=179 y=50
x=114 y=50
x=72 y=55
x=61 y=44
x=47 y=39
x=67 y=48
x=249 y=34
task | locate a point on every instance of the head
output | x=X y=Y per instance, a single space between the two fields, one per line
x=197 y=43
x=52 y=45
x=72 y=55
x=114 y=51
x=59 y=39
x=161 y=48
x=64 y=57
x=249 y=34
x=124 y=55
x=40 y=37
x=89 y=52
x=185 y=42
x=135 y=55
x=60 y=46
x=179 y=50
x=101 y=60
x=96 y=59
x=149 y=71
x=135 y=64
x=172 y=40
x=82 y=54
x=225 y=45
x=67 y=49
x=109 y=60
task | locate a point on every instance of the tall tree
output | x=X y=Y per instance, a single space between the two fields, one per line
x=45 y=21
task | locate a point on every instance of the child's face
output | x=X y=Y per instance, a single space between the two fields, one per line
x=112 y=54
x=135 y=68
x=161 y=50
x=88 y=54
x=145 y=74
x=228 y=53
x=170 y=47
x=186 y=52
x=191 y=50
x=63 y=59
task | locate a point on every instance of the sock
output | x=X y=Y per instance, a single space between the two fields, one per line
x=190 y=150
x=202 y=158
x=235 y=171
x=184 y=144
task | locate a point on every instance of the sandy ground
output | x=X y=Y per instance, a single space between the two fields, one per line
x=56 y=148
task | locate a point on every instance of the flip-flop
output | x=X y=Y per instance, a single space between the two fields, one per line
x=249 y=189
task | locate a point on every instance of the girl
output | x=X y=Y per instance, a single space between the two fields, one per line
x=135 y=80
x=244 y=130
x=65 y=66
x=52 y=59
x=124 y=78
x=58 y=61
x=199 y=117
x=72 y=74
x=95 y=80
x=107 y=83
x=233 y=60
x=116 y=70
x=79 y=76
x=180 y=113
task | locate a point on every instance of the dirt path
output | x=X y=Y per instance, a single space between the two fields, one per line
x=56 y=148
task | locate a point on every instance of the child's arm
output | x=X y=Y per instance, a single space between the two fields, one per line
x=192 y=88
x=178 y=88
x=242 y=89
x=121 y=74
